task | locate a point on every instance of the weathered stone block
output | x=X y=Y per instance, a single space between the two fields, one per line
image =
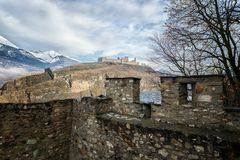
x=204 y=98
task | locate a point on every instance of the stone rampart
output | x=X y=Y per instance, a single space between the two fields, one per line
x=114 y=136
x=73 y=130
x=36 y=131
x=119 y=127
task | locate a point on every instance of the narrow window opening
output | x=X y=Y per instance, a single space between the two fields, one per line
x=186 y=93
x=189 y=92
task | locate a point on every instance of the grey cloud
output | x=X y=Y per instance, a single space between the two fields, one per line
x=83 y=27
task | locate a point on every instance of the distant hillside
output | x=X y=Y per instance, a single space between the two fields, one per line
x=73 y=82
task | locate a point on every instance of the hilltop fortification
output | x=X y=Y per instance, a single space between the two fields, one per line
x=123 y=60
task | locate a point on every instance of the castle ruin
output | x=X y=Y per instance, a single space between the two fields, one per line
x=124 y=60
x=204 y=90
x=191 y=123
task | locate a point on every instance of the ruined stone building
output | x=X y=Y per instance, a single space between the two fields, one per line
x=193 y=90
x=124 y=60
x=191 y=123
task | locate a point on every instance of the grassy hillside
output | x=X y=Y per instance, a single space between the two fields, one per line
x=73 y=82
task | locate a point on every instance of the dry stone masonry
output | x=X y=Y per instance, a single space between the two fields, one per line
x=119 y=127
x=125 y=94
x=126 y=90
x=202 y=90
x=114 y=136
x=193 y=101
x=35 y=131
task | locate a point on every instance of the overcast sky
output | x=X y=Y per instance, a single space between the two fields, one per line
x=83 y=28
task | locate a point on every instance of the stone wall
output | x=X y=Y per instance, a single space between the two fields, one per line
x=113 y=136
x=206 y=108
x=125 y=93
x=36 y=131
x=139 y=110
x=119 y=127
x=206 y=90
x=125 y=90
x=73 y=130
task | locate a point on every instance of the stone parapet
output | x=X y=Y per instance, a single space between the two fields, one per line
x=88 y=129
x=115 y=136
x=36 y=131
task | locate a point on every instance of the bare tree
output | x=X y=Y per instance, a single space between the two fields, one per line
x=211 y=27
x=180 y=58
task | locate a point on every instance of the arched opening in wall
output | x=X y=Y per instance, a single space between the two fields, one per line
x=186 y=93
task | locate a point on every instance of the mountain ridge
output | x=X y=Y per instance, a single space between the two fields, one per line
x=13 y=58
x=4 y=41
x=41 y=59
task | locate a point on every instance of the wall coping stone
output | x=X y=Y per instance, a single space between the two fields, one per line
x=150 y=124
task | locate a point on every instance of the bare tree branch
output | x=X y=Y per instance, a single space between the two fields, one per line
x=202 y=36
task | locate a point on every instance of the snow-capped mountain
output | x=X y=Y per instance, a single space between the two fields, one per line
x=11 y=55
x=54 y=58
x=4 y=41
x=13 y=59
x=48 y=56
